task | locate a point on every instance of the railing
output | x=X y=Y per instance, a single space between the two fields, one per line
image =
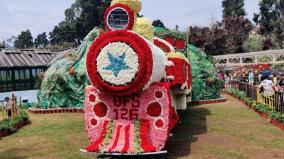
x=279 y=102
x=244 y=79
x=275 y=102
x=250 y=90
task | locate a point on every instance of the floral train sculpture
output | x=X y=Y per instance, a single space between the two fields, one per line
x=137 y=83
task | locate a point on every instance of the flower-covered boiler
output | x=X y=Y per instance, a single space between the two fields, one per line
x=138 y=81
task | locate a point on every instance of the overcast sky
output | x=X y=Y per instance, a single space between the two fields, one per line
x=42 y=15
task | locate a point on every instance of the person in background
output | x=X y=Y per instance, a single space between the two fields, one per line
x=274 y=79
x=251 y=77
x=266 y=73
x=227 y=78
x=259 y=77
x=281 y=83
x=8 y=107
x=221 y=76
x=232 y=76
x=266 y=86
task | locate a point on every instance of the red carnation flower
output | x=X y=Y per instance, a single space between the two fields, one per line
x=180 y=44
x=170 y=40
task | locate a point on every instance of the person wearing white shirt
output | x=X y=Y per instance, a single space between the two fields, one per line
x=266 y=87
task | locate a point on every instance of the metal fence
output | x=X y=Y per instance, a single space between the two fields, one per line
x=279 y=102
x=275 y=102
x=250 y=90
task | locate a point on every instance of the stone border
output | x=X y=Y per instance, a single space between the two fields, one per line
x=17 y=126
x=212 y=101
x=54 y=111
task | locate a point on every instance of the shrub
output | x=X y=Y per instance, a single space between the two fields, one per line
x=253 y=43
x=270 y=112
x=9 y=125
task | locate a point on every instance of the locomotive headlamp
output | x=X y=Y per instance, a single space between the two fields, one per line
x=119 y=17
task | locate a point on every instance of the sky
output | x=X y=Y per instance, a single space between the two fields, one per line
x=41 y=15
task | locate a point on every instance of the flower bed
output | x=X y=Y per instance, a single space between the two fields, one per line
x=262 y=109
x=11 y=125
x=52 y=111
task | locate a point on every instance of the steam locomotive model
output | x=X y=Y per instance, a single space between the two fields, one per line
x=138 y=83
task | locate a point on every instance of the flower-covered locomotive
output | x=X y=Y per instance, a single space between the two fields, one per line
x=138 y=82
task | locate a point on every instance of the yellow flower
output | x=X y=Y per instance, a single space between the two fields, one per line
x=144 y=27
x=177 y=55
x=135 y=5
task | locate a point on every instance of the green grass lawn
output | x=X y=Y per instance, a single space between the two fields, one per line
x=220 y=131
x=49 y=136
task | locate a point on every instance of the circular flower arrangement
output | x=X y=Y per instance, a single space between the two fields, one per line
x=117 y=63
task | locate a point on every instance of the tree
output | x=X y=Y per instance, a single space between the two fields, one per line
x=237 y=31
x=233 y=8
x=253 y=43
x=24 y=40
x=268 y=17
x=211 y=40
x=280 y=28
x=216 y=44
x=88 y=14
x=89 y=18
x=63 y=32
x=267 y=44
x=279 y=33
x=80 y=19
x=198 y=36
x=271 y=20
x=236 y=26
x=223 y=37
x=158 y=23
x=41 y=41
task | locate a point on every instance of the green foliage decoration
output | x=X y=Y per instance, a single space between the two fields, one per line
x=205 y=84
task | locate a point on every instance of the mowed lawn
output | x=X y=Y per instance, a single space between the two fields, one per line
x=220 y=131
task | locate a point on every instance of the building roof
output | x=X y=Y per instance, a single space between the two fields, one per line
x=25 y=58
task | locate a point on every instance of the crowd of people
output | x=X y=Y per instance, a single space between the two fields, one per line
x=270 y=83
x=266 y=82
